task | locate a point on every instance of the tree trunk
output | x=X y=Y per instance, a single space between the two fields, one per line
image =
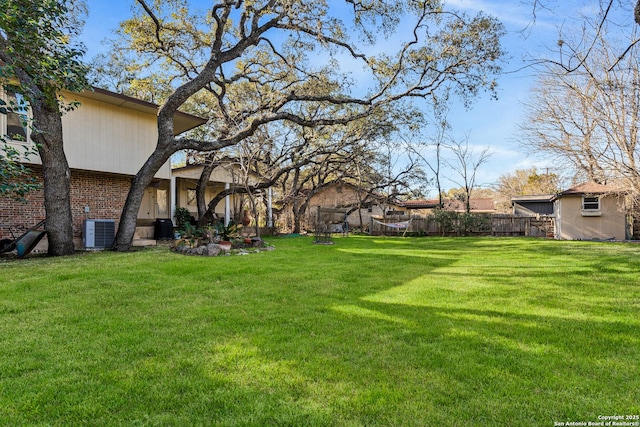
x=129 y=217
x=254 y=207
x=295 y=205
x=296 y=215
x=201 y=188
x=57 y=179
x=361 y=203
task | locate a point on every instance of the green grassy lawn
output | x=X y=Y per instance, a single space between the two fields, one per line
x=366 y=332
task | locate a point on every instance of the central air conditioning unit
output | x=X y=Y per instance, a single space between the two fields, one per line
x=98 y=233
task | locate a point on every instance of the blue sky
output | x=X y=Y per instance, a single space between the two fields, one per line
x=489 y=122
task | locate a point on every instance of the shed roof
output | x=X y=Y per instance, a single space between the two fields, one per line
x=534 y=198
x=589 y=188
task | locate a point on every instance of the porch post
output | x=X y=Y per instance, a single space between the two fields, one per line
x=227 y=205
x=269 y=208
x=172 y=198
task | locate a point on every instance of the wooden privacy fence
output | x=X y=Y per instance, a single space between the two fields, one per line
x=483 y=225
x=512 y=225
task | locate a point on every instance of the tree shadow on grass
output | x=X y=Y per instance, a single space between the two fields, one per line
x=484 y=366
x=380 y=333
x=486 y=353
x=431 y=346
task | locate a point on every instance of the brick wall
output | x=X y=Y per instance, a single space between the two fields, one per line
x=103 y=193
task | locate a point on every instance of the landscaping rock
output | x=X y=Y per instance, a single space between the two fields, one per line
x=214 y=249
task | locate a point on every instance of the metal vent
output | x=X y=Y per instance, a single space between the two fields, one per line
x=98 y=233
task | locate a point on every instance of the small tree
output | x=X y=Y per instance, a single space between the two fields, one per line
x=445 y=219
x=466 y=163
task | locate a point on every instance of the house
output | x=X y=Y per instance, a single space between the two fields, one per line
x=534 y=205
x=342 y=194
x=106 y=140
x=591 y=211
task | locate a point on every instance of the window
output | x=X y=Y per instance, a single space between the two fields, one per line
x=590 y=203
x=591 y=206
x=16 y=109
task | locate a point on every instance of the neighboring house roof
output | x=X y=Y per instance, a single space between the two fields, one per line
x=589 y=188
x=484 y=205
x=420 y=204
x=182 y=122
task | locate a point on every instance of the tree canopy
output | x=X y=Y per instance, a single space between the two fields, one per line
x=38 y=56
x=257 y=62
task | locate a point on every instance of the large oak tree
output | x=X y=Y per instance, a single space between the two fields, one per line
x=38 y=61
x=262 y=61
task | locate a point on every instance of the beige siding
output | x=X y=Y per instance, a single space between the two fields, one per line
x=573 y=225
x=103 y=137
x=107 y=138
x=354 y=217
